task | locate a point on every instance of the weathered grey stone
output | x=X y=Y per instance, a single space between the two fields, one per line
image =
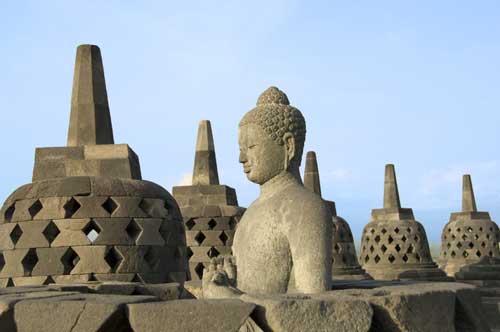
x=205 y=164
x=32 y=235
x=149 y=232
x=305 y=313
x=190 y=315
x=469 y=236
x=165 y=292
x=71 y=233
x=345 y=264
x=394 y=245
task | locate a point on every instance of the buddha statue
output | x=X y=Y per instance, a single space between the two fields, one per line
x=283 y=241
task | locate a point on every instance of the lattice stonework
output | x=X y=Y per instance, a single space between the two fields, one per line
x=394 y=243
x=344 y=257
x=85 y=238
x=207 y=238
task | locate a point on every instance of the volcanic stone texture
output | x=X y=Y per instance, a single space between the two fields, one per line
x=345 y=264
x=469 y=236
x=210 y=211
x=394 y=245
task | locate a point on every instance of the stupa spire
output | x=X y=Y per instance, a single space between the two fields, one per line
x=205 y=164
x=311 y=173
x=391 y=193
x=90 y=120
x=468 y=199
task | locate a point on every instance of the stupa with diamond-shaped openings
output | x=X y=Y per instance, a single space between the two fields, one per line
x=210 y=210
x=394 y=245
x=88 y=215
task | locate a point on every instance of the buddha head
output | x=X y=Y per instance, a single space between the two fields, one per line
x=271 y=137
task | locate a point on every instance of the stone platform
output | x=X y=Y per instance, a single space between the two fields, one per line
x=370 y=306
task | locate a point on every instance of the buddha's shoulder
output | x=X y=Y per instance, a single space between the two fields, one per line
x=301 y=197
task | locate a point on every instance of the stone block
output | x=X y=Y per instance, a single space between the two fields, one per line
x=82 y=167
x=31 y=281
x=74 y=186
x=116 y=288
x=32 y=235
x=91 y=260
x=52 y=208
x=118 y=277
x=154 y=207
x=164 y=292
x=190 y=315
x=128 y=207
x=298 y=313
x=6 y=242
x=211 y=211
x=50 y=262
x=18 y=263
x=133 y=259
x=113 y=231
x=173 y=233
x=91 y=206
x=49 y=162
x=21 y=211
x=149 y=232
x=71 y=233
x=72 y=279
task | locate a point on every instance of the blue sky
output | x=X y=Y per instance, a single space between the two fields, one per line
x=414 y=83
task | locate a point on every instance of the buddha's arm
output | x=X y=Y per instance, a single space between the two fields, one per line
x=310 y=245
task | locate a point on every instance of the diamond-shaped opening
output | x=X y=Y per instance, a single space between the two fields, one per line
x=480 y=229
x=110 y=205
x=212 y=223
x=377 y=238
x=199 y=238
x=405 y=258
x=367 y=258
x=478 y=253
x=2 y=261
x=449 y=230
x=464 y=237
x=490 y=253
x=459 y=230
x=69 y=260
x=391 y=259
x=198 y=269
x=476 y=236
x=232 y=223
x=403 y=238
x=372 y=230
x=491 y=229
x=465 y=254
x=390 y=239
x=213 y=252
x=483 y=244
x=223 y=237
x=16 y=233
x=342 y=236
x=471 y=245
x=377 y=258
x=372 y=249
x=453 y=237
x=49 y=281
x=416 y=238
x=29 y=261
x=336 y=247
x=150 y=257
x=189 y=252
x=488 y=236
x=383 y=248
x=448 y=245
x=92 y=231
x=70 y=207
x=383 y=231
x=469 y=229
x=410 y=249
x=50 y=232
x=417 y=256
x=408 y=230
x=133 y=229
x=113 y=258
x=9 y=212
x=35 y=208
x=459 y=245
x=453 y=254
x=396 y=230
x=190 y=223
x=397 y=247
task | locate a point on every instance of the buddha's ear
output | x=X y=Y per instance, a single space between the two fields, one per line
x=289 y=143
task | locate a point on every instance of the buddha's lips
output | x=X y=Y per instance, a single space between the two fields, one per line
x=246 y=169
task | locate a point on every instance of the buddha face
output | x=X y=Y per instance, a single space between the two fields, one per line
x=261 y=156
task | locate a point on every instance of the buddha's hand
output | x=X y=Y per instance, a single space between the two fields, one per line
x=219 y=279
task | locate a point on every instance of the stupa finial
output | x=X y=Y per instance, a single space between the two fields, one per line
x=391 y=193
x=311 y=173
x=90 y=120
x=468 y=199
x=205 y=164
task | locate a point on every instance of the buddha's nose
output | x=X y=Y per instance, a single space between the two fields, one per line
x=243 y=157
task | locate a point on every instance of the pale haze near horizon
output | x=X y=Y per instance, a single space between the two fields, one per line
x=413 y=83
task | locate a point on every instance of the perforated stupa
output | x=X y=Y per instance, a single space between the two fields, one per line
x=88 y=215
x=394 y=245
x=469 y=236
x=210 y=210
x=345 y=264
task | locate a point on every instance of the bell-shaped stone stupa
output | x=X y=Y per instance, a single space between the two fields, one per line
x=394 y=245
x=345 y=264
x=469 y=235
x=210 y=210
x=88 y=215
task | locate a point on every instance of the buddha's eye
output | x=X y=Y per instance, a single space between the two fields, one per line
x=252 y=146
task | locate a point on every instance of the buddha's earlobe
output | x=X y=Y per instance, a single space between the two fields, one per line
x=289 y=145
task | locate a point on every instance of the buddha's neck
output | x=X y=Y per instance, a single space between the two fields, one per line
x=280 y=181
